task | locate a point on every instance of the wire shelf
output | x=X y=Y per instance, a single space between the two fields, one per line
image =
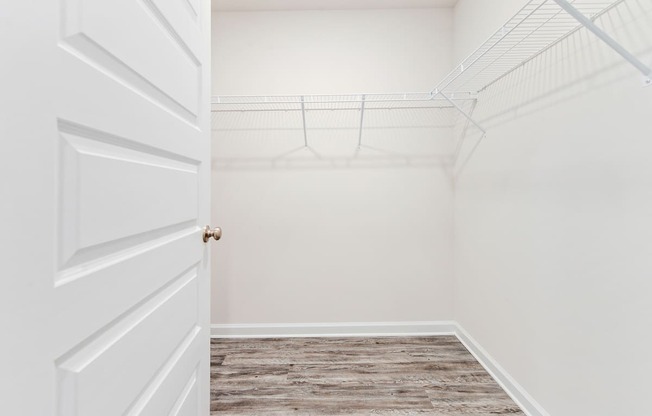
x=351 y=102
x=357 y=117
x=539 y=25
x=536 y=27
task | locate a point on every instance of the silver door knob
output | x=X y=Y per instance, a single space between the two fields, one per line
x=215 y=233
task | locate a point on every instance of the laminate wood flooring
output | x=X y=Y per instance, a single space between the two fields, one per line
x=427 y=376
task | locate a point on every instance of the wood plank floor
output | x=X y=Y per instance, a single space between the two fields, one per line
x=434 y=376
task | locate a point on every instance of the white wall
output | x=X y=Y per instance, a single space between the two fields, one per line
x=328 y=234
x=474 y=21
x=330 y=52
x=553 y=238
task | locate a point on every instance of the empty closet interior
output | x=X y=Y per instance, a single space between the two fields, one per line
x=471 y=167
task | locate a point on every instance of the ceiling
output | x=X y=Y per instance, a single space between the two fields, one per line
x=258 y=5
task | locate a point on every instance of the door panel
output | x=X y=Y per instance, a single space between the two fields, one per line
x=172 y=392
x=102 y=376
x=83 y=305
x=134 y=41
x=108 y=312
x=91 y=193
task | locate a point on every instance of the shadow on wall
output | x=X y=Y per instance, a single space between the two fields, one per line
x=578 y=64
x=333 y=139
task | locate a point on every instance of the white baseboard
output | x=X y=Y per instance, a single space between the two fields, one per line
x=346 y=329
x=370 y=329
x=502 y=377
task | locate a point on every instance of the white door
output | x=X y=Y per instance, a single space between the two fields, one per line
x=104 y=158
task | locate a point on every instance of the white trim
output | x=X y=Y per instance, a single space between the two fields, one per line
x=345 y=329
x=520 y=396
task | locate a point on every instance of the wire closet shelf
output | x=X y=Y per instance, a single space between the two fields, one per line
x=283 y=103
x=536 y=27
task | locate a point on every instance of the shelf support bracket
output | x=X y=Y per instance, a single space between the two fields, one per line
x=303 y=115
x=460 y=141
x=464 y=113
x=361 y=120
x=611 y=42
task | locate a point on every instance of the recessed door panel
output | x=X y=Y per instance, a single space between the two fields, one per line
x=135 y=42
x=152 y=195
x=107 y=374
